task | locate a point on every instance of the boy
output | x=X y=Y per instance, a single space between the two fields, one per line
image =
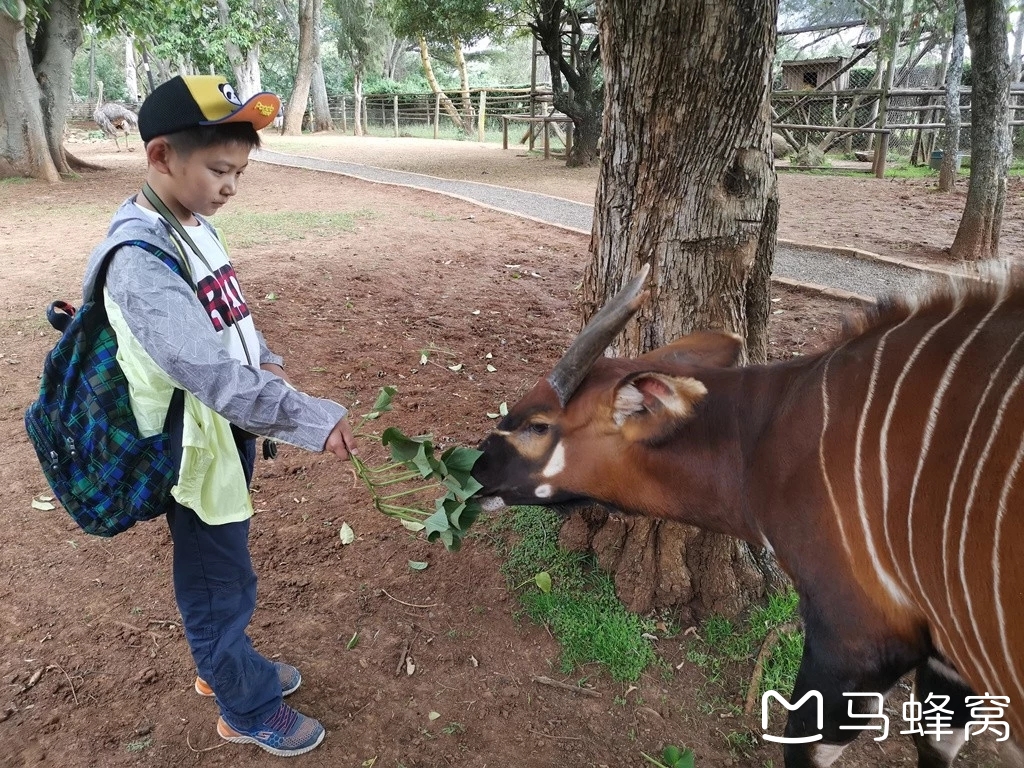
x=198 y=136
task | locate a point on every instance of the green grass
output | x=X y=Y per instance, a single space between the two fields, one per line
x=724 y=645
x=242 y=229
x=582 y=611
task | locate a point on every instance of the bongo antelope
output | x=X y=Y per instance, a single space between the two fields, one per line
x=884 y=473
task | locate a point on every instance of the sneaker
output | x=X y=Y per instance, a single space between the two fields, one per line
x=285 y=733
x=287 y=674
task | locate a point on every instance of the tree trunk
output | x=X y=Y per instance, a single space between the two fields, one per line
x=467 y=99
x=1018 y=46
x=58 y=35
x=954 y=76
x=978 y=234
x=308 y=12
x=435 y=87
x=23 y=145
x=321 y=107
x=692 y=192
x=131 y=74
x=246 y=67
x=357 y=95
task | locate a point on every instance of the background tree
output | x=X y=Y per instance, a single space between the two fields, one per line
x=363 y=36
x=688 y=185
x=954 y=76
x=241 y=42
x=309 y=17
x=978 y=234
x=450 y=24
x=566 y=33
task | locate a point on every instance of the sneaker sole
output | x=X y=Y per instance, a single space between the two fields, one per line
x=273 y=750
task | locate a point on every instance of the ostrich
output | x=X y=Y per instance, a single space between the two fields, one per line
x=113 y=117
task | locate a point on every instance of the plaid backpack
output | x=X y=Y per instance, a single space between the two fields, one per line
x=104 y=474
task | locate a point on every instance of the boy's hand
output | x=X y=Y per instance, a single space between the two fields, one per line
x=275 y=369
x=341 y=442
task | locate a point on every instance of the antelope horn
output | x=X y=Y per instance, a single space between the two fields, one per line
x=592 y=341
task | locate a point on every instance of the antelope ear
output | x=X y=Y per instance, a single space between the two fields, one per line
x=714 y=349
x=649 y=406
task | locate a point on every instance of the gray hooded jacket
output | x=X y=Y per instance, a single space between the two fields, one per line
x=174 y=329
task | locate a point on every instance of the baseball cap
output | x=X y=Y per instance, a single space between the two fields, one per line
x=189 y=101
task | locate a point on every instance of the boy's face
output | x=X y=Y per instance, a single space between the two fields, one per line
x=205 y=179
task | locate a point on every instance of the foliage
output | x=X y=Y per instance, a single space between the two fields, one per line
x=581 y=608
x=442 y=21
x=672 y=757
x=723 y=643
x=362 y=31
x=413 y=460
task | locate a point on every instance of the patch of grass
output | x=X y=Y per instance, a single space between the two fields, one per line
x=725 y=647
x=581 y=609
x=139 y=744
x=242 y=228
x=12 y=180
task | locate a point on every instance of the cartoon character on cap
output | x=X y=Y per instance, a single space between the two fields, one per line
x=188 y=101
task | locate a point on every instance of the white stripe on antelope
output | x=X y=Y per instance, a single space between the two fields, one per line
x=884 y=472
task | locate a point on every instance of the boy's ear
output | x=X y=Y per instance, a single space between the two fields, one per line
x=158 y=154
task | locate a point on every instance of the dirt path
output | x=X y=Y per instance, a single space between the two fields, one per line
x=894 y=217
x=350 y=282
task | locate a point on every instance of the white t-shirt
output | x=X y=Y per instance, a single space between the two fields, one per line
x=219 y=292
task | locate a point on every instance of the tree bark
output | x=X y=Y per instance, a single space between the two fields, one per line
x=321 y=109
x=308 y=12
x=58 y=36
x=131 y=74
x=692 y=192
x=357 y=96
x=467 y=99
x=954 y=76
x=978 y=235
x=435 y=87
x=23 y=143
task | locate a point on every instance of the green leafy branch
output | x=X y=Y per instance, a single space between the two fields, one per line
x=412 y=472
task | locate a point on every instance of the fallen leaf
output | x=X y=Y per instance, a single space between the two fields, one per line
x=503 y=409
x=347 y=534
x=353 y=641
x=410 y=668
x=369 y=763
x=493 y=415
x=43 y=505
x=488 y=356
x=412 y=525
x=491 y=369
x=417 y=565
x=543 y=581
x=271 y=297
x=473 y=661
x=423 y=358
x=457 y=367
x=475 y=312
x=434 y=715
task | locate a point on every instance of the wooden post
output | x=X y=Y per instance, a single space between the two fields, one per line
x=437 y=113
x=547 y=141
x=881 y=150
x=504 y=131
x=533 y=89
x=366 y=115
x=344 y=117
x=481 y=118
x=395 y=115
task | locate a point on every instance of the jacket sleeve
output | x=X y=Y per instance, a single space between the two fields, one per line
x=166 y=317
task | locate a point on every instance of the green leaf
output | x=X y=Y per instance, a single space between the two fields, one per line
x=543 y=582
x=418 y=565
x=436 y=523
x=383 y=402
x=412 y=525
x=353 y=641
x=503 y=409
x=414 y=452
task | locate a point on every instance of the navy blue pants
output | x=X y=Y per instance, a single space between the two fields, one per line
x=215 y=587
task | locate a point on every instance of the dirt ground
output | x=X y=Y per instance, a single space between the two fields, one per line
x=94 y=670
